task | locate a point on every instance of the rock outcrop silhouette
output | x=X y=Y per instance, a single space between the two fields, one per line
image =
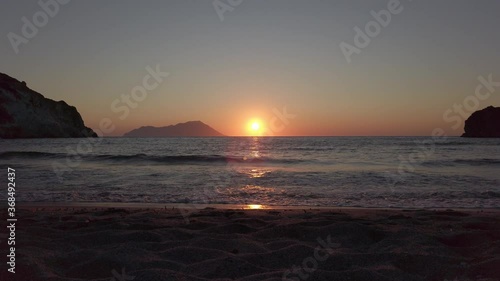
x=25 y=113
x=484 y=123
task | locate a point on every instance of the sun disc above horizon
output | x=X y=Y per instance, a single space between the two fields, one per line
x=254 y=127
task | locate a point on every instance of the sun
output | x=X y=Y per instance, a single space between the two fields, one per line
x=255 y=127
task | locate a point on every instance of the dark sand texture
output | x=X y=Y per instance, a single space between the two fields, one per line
x=59 y=244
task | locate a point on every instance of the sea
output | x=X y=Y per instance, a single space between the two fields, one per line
x=381 y=172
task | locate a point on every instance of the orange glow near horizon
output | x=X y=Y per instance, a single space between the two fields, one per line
x=257 y=121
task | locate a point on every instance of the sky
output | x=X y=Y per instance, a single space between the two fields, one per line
x=282 y=63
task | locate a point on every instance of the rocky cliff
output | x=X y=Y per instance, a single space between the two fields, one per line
x=188 y=129
x=483 y=124
x=25 y=113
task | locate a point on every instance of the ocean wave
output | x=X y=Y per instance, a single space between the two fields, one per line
x=29 y=154
x=478 y=162
x=470 y=162
x=467 y=142
x=164 y=159
x=312 y=148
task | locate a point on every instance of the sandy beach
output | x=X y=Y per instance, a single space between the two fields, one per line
x=85 y=243
x=232 y=140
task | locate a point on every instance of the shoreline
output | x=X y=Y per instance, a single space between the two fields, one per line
x=134 y=205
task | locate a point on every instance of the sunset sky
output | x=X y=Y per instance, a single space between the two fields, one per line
x=263 y=56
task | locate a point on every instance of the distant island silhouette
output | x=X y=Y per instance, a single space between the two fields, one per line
x=187 y=129
x=25 y=113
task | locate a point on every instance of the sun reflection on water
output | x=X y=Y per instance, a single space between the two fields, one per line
x=254 y=207
x=257 y=173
